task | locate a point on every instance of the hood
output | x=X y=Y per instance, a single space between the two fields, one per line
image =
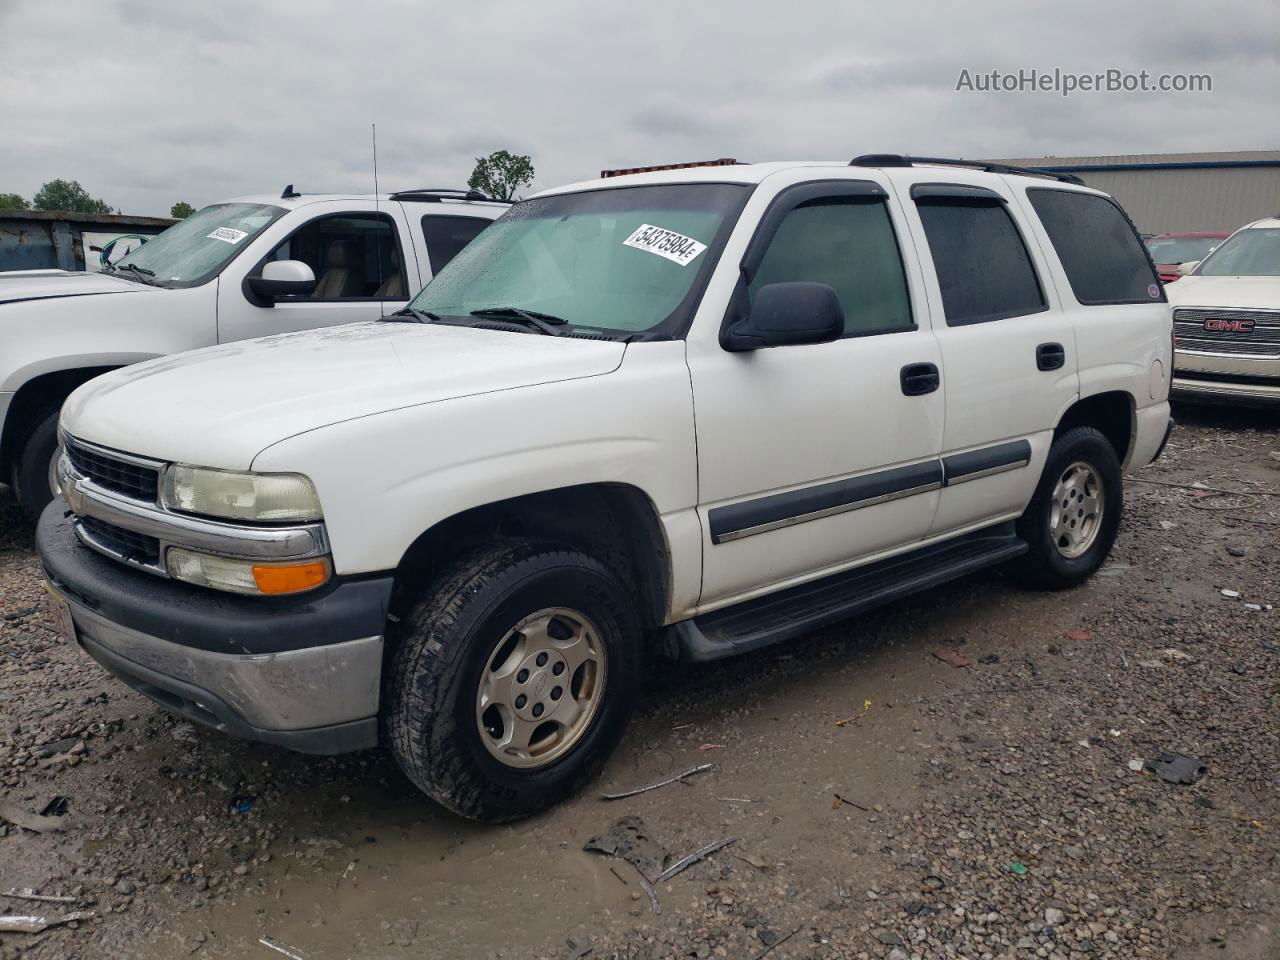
x=1243 y=293
x=19 y=285
x=223 y=405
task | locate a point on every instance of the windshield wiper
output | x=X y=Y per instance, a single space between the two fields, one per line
x=406 y=314
x=140 y=273
x=543 y=322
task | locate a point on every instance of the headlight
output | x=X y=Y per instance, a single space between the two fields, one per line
x=239 y=496
x=246 y=576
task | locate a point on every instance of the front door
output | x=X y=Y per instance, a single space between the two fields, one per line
x=359 y=271
x=813 y=457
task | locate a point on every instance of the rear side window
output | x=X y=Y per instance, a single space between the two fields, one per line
x=851 y=246
x=983 y=266
x=1103 y=257
x=446 y=236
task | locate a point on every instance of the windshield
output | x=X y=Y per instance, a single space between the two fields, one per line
x=622 y=260
x=1181 y=249
x=194 y=249
x=1247 y=253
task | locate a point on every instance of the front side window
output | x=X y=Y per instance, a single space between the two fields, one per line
x=197 y=248
x=1246 y=253
x=1099 y=249
x=446 y=236
x=621 y=260
x=848 y=244
x=983 y=267
x=353 y=256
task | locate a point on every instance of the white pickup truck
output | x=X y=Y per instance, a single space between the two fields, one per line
x=244 y=268
x=686 y=412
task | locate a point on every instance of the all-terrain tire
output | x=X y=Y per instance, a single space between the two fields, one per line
x=1048 y=564
x=30 y=472
x=444 y=645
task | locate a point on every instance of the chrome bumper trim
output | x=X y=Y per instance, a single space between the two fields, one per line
x=1225 y=389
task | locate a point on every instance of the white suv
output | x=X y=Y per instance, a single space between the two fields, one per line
x=234 y=270
x=687 y=412
x=1226 y=316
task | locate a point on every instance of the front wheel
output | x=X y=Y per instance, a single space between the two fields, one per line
x=513 y=680
x=1072 y=520
x=35 y=476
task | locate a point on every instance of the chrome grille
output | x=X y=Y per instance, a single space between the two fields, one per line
x=1262 y=341
x=113 y=473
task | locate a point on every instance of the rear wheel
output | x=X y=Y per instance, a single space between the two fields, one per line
x=1072 y=520
x=34 y=474
x=513 y=680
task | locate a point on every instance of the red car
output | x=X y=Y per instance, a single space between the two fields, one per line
x=1169 y=250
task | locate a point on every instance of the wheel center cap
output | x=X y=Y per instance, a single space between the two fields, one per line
x=538 y=684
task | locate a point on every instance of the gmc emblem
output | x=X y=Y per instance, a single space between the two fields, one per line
x=1218 y=325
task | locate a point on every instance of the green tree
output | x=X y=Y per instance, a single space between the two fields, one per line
x=13 y=201
x=501 y=174
x=69 y=196
x=181 y=210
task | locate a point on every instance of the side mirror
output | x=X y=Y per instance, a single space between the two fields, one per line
x=280 y=278
x=785 y=314
x=1184 y=269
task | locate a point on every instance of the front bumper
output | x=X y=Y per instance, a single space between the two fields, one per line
x=302 y=672
x=1226 y=391
x=1220 y=377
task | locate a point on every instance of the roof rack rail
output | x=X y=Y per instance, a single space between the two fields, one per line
x=436 y=194
x=897 y=160
x=624 y=171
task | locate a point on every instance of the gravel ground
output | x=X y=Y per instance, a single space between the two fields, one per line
x=988 y=810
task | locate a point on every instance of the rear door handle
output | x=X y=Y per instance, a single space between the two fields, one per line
x=920 y=378
x=1050 y=356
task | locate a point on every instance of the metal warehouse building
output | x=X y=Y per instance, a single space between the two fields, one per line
x=1170 y=192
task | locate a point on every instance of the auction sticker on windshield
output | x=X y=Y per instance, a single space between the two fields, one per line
x=665 y=243
x=228 y=235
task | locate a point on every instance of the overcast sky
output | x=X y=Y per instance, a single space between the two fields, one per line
x=147 y=102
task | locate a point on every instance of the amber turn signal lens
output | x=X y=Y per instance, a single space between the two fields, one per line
x=292 y=577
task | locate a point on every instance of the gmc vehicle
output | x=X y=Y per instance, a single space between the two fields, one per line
x=234 y=270
x=687 y=412
x=1227 y=320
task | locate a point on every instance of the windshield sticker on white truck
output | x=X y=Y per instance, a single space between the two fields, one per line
x=228 y=235
x=665 y=243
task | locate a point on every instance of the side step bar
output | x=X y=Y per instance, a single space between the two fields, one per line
x=797 y=610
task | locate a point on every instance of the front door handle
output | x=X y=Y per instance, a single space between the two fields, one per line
x=920 y=378
x=1050 y=356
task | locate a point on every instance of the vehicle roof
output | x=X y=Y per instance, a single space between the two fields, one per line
x=1193 y=235
x=749 y=173
x=302 y=200
x=1271 y=222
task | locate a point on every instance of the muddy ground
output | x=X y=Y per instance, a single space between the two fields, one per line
x=989 y=809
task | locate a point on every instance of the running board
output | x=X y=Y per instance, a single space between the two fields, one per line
x=797 y=610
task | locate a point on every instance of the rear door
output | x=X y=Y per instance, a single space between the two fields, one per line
x=1008 y=351
x=439 y=236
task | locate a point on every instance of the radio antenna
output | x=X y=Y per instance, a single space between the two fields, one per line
x=382 y=304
